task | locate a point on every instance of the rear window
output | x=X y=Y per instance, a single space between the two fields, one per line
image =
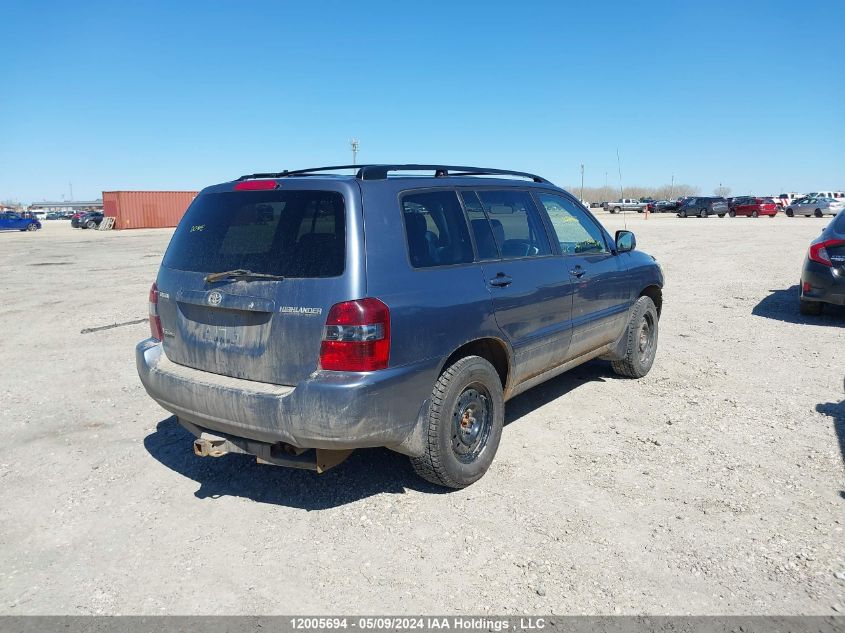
x=289 y=233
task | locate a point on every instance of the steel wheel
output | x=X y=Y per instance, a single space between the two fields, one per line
x=646 y=339
x=471 y=423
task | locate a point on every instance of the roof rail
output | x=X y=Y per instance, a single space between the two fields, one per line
x=379 y=172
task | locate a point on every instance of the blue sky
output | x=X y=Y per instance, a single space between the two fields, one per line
x=178 y=95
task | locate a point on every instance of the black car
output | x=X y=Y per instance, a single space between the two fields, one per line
x=702 y=206
x=823 y=277
x=662 y=206
x=88 y=220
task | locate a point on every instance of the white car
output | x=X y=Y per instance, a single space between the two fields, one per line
x=818 y=207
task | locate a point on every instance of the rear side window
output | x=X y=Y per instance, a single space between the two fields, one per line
x=516 y=225
x=436 y=230
x=289 y=233
x=485 y=243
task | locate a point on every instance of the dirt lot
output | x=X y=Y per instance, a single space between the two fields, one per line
x=714 y=485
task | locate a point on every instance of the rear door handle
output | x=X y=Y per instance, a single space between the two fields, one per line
x=501 y=280
x=577 y=272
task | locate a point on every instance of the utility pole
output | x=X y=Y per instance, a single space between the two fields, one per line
x=605 y=194
x=582 y=182
x=672 y=190
x=354 y=143
x=70 y=184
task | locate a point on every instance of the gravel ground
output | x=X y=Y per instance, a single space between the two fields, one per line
x=713 y=486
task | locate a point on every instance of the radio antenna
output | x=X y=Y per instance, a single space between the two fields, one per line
x=621 y=191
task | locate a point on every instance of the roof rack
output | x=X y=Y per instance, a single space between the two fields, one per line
x=380 y=172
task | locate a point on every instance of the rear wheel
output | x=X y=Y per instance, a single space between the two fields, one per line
x=31 y=226
x=721 y=215
x=754 y=214
x=465 y=420
x=790 y=213
x=732 y=213
x=810 y=308
x=641 y=341
x=90 y=224
x=616 y=210
x=683 y=214
x=703 y=213
x=818 y=213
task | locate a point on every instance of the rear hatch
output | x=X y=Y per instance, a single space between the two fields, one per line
x=247 y=325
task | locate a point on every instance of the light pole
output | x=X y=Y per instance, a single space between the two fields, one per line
x=672 y=190
x=354 y=143
x=582 y=182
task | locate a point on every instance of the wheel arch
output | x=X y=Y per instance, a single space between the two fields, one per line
x=655 y=293
x=493 y=350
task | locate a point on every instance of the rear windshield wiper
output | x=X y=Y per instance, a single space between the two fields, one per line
x=240 y=273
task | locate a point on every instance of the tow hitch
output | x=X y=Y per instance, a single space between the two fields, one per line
x=279 y=454
x=210 y=448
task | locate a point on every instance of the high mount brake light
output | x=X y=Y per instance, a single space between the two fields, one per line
x=818 y=252
x=256 y=185
x=356 y=336
x=156 y=330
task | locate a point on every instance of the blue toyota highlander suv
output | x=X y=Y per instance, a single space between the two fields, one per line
x=302 y=314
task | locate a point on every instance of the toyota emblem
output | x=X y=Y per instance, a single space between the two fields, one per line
x=215 y=297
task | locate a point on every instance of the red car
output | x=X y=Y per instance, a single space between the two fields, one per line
x=753 y=207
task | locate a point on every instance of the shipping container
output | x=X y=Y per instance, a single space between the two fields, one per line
x=146 y=209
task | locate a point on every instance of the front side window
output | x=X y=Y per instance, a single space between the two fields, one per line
x=436 y=230
x=575 y=231
x=516 y=224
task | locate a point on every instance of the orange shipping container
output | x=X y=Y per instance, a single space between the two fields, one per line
x=146 y=209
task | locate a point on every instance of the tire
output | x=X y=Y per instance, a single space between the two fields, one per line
x=703 y=213
x=754 y=214
x=31 y=227
x=682 y=214
x=721 y=215
x=732 y=213
x=90 y=224
x=641 y=341
x=455 y=458
x=616 y=210
x=810 y=308
x=790 y=213
x=818 y=213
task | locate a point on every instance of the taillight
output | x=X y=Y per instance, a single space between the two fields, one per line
x=818 y=252
x=356 y=336
x=255 y=185
x=155 y=320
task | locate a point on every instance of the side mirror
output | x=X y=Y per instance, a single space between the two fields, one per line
x=625 y=241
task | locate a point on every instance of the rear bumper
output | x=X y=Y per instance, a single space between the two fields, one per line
x=826 y=284
x=329 y=410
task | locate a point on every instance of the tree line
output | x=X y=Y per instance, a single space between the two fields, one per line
x=608 y=194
